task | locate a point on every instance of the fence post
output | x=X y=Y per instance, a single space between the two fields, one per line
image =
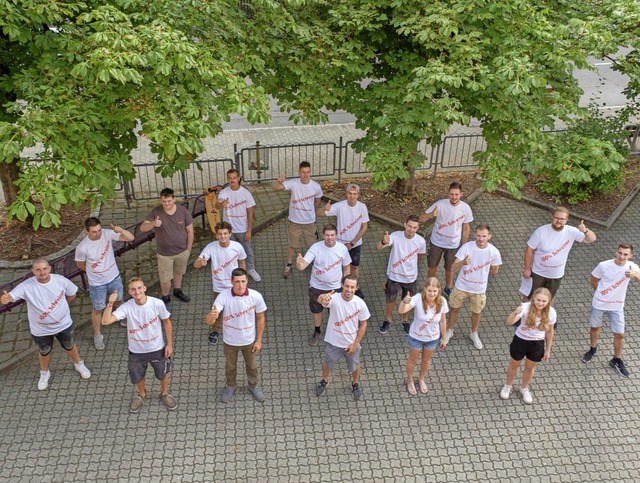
x=128 y=191
x=339 y=159
x=258 y=161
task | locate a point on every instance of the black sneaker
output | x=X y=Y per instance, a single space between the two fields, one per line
x=321 y=387
x=446 y=292
x=384 y=328
x=618 y=365
x=360 y=294
x=589 y=355
x=213 y=338
x=356 y=391
x=166 y=299
x=180 y=295
x=406 y=326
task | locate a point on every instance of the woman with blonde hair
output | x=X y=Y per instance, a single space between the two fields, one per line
x=536 y=329
x=427 y=330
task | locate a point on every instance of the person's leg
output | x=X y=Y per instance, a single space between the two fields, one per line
x=412 y=360
x=475 y=321
x=618 y=342
x=527 y=375
x=325 y=372
x=448 y=278
x=317 y=320
x=164 y=385
x=251 y=363
x=141 y=389
x=512 y=370
x=355 y=271
x=74 y=354
x=231 y=365
x=453 y=318
x=96 y=321
x=177 y=281
x=44 y=361
x=290 y=252
x=425 y=364
x=98 y=295
x=594 y=336
x=355 y=375
x=431 y=271
x=165 y=273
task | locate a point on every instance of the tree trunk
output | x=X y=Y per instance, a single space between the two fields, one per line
x=405 y=187
x=9 y=173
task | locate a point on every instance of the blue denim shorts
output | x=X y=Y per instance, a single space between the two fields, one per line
x=418 y=345
x=100 y=293
x=616 y=320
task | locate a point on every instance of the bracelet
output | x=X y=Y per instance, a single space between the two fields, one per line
x=586 y=231
x=109 y=305
x=382 y=242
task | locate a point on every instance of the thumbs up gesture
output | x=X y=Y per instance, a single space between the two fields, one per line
x=158 y=222
x=116 y=228
x=519 y=309
x=113 y=297
x=407 y=298
x=326 y=297
x=435 y=212
x=467 y=260
x=5 y=298
x=385 y=238
x=327 y=207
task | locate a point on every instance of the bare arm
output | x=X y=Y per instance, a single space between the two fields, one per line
x=81 y=265
x=189 y=229
x=125 y=235
x=168 y=330
x=278 y=184
x=257 y=345
x=443 y=330
x=107 y=317
x=5 y=298
x=594 y=282
x=465 y=233
x=457 y=265
x=247 y=236
x=528 y=261
x=494 y=269
x=589 y=235
x=242 y=264
x=427 y=216
x=361 y=330
x=548 y=337
x=515 y=315
x=71 y=298
x=150 y=225
x=382 y=244
x=363 y=229
x=301 y=263
x=405 y=304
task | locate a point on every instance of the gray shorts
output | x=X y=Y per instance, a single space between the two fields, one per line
x=333 y=353
x=436 y=253
x=138 y=364
x=44 y=343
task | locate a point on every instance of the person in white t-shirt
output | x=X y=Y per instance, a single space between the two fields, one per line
x=348 y=316
x=94 y=255
x=226 y=255
x=238 y=203
x=533 y=339
x=353 y=222
x=145 y=340
x=610 y=281
x=48 y=296
x=407 y=248
x=476 y=260
x=243 y=314
x=450 y=230
x=426 y=332
x=545 y=257
x=305 y=200
x=330 y=262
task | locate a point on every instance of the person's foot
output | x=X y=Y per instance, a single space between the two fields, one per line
x=618 y=365
x=82 y=369
x=136 y=403
x=384 y=328
x=123 y=322
x=526 y=396
x=423 y=386
x=321 y=387
x=477 y=343
x=406 y=326
x=254 y=275
x=166 y=299
x=314 y=340
x=446 y=292
x=356 y=392
x=169 y=401
x=589 y=354
x=257 y=392
x=506 y=392
x=98 y=342
x=411 y=388
x=228 y=393
x=213 y=338
x=180 y=295
x=287 y=271
x=43 y=382
x=448 y=336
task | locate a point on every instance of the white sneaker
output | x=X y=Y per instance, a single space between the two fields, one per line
x=477 y=343
x=506 y=392
x=98 y=342
x=254 y=275
x=526 y=396
x=448 y=336
x=82 y=369
x=43 y=383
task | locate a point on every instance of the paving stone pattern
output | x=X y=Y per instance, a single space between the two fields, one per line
x=583 y=425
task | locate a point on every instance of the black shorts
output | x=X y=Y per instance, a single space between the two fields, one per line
x=436 y=253
x=531 y=349
x=551 y=284
x=315 y=306
x=44 y=343
x=354 y=253
x=138 y=364
x=391 y=289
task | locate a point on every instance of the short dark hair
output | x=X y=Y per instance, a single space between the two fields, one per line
x=329 y=227
x=304 y=164
x=349 y=277
x=238 y=272
x=413 y=218
x=484 y=227
x=455 y=186
x=627 y=246
x=222 y=225
x=233 y=170
x=134 y=279
x=167 y=193
x=91 y=222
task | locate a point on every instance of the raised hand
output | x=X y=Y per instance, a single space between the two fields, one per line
x=407 y=298
x=435 y=212
x=326 y=297
x=467 y=260
x=518 y=311
x=385 y=238
x=5 y=298
x=281 y=179
x=113 y=297
x=116 y=228
x=157 y=222
x=215 y=313
x=202 y=262
x=581 y=226
x=327 y=206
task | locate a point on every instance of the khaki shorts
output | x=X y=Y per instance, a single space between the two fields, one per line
x=167 y=266
x=478 y=300
x=296 y=232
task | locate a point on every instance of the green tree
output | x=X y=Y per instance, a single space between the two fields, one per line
x=433 y=64
x=78 y=79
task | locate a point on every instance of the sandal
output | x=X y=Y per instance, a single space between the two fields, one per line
x=411 y=388
x=423 y=386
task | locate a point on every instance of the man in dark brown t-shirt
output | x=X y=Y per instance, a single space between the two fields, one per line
x=174 y=238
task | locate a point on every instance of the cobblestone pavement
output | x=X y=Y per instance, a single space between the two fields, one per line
x=583 y=425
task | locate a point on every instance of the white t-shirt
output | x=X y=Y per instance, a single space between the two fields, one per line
x=302 y=208
x=99 y=257
x=344 y=320
x=239 y=316
x=447 y=229
x=144 y=324
x=552 y=249
x=223 y=261
x=236 y=210
x=527 y=333
x=403 y=259
x=350 y=219
x=474 y=278
x=47 y=307
x=612 y=287
x=425 y=326
x=327 y=263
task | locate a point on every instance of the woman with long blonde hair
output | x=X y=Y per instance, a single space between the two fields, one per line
x=427 y=330
x=535 y=331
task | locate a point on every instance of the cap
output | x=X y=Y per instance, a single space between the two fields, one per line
x=353 y=186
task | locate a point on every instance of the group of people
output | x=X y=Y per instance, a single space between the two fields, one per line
x=239 y=312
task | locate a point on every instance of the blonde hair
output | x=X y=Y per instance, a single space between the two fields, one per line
x=432 y=282
x=530 y=322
